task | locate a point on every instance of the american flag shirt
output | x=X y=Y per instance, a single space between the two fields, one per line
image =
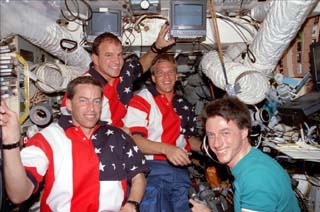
x=81 y=173
x=117 y=95
x=154 y=117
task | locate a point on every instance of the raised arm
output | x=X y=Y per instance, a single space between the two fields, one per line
x=160 y=43
x=17 y=184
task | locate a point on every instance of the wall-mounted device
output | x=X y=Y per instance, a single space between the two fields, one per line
x=315 y=64
x=104 y=20
x=188 y=18
x=145 y=6
x=301 y=109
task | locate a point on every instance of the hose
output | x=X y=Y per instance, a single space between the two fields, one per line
x=53 y=78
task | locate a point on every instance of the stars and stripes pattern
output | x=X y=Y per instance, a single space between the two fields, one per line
x=118 y=95
x=119 y=156
x=186 y=114
x=153 y=116
x=82 y=174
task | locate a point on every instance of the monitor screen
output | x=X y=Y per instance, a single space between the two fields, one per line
x=104 y=20
x=188 y=18
x=315 y=64
x=188 y=15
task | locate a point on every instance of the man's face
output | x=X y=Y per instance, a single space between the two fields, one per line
x=85 y=106
x=109 y=61
x=226 y=140
x=165 y=76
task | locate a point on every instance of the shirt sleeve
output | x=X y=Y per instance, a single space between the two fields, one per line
x=256 y=194
x=191 y=123
x=34 y=159
x=131 y=70
x=133 y=66
x=137 y=117
x=186 y=113
x=133 y=158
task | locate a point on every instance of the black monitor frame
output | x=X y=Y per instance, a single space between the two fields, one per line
x=315 y=64
x=93 y=33
x=201 y=29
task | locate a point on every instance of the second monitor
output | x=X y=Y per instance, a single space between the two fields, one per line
x=188 y=18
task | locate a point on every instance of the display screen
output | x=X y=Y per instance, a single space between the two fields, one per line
x=188 y=19
x=105 y=22
x=188 y=14
x=315 y=63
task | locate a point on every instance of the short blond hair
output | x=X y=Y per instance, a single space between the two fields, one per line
x=161 y=58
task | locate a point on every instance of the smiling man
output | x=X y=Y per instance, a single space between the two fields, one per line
x=162 y=124
x=117 y=74
x=85 y=163
x=260 y=184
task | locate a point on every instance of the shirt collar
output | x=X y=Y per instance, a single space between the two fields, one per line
x=65 y=121
x=94 y=73
x=152 y=89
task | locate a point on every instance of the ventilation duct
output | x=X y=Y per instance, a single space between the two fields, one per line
x=279 y=28
x=24 y=19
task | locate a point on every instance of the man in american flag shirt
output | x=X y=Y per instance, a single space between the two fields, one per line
x=85 y=163
x=162 y=124
x=117 y=75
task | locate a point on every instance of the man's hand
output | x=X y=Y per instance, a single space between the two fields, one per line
x=128 y=208
x=177 y=156
x=9 y=124
x=161 y=41
x=198 y=207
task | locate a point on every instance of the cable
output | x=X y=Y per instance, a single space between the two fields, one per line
x=259 y=142
x=76 y=16
x=206 y=149
x=207 y=46
x=241 y=5
x=237 y=24
x=127 y=39
x=237 y=30
x=38 y=97
x=54 y=77
x=301 y=200
x=250 y=54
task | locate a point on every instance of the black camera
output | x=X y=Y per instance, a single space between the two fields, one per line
x=214 y=198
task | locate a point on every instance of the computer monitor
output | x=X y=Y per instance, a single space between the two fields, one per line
x=188 y=18
x=302 y=109
x=315 y=64
x=104 y=20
